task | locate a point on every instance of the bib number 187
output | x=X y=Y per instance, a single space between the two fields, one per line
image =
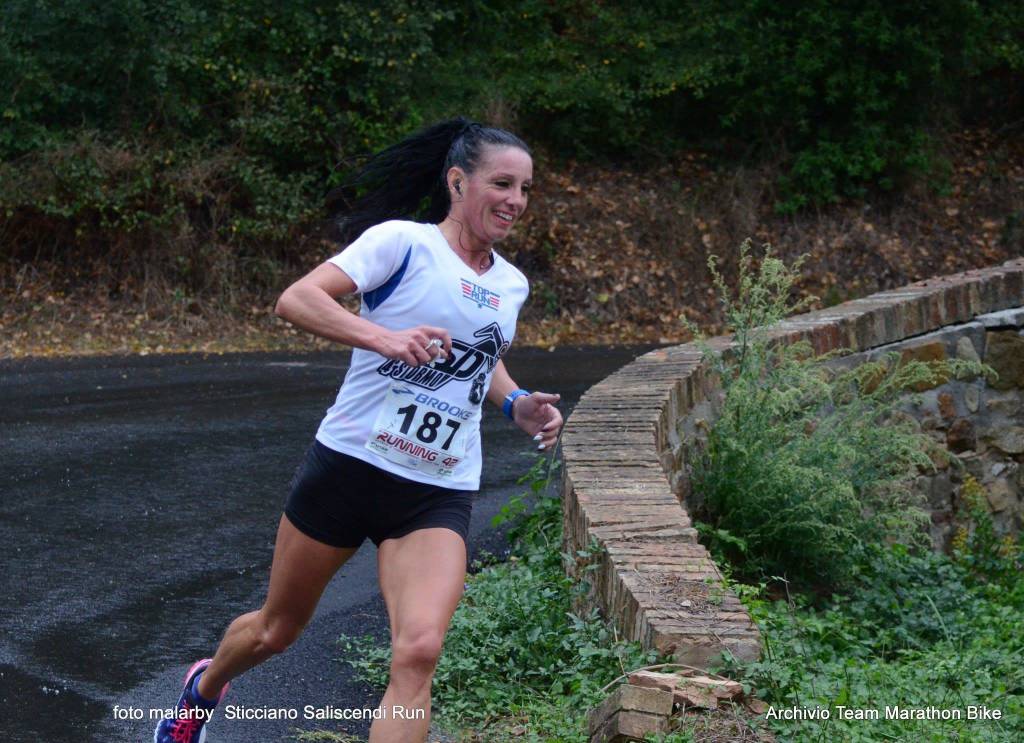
x=414 y=433
x=427 y=431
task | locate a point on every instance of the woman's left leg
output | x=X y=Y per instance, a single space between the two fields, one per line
x=422 y=576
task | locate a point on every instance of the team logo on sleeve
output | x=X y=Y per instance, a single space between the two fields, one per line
x=482 y=297
x=465 y=362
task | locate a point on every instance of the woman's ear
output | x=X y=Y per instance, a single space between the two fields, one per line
x=455 y=180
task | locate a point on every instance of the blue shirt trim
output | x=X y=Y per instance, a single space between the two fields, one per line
x=376 y=297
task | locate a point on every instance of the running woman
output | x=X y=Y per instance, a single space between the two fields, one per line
x=397 y=457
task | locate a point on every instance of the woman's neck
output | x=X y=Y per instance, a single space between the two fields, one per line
x=478 y=257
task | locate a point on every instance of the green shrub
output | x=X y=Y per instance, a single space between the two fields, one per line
x=845 y=92
x=914 y=630
x=296 y=84
x=844 y=95
x=804 y=467
x=194 y=141
x=823 y=659
x=988 y=557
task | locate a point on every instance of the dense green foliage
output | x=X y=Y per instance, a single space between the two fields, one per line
x=805 y=466
x=853 y=90
x=222 y=123
x=291 y=83
x=194 y=141
x=515 y=653
x=802 y=479
x=915 y=631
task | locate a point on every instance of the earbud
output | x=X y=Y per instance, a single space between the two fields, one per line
x=458 y=187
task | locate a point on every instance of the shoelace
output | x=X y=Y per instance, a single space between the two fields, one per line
x=183 y=729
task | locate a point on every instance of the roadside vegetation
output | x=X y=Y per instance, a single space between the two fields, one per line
x=806 y=466
x=824 y=543
x=913 y=631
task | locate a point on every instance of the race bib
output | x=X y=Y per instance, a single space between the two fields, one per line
x=422 y=432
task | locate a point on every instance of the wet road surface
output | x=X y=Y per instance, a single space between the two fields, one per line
x=139 y=499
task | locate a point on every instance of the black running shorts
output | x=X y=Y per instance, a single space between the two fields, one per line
x=340 y=500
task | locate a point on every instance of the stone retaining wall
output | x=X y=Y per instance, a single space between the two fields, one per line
x=982 y=423
x=624 y=481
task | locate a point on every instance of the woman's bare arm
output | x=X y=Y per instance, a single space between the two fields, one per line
x=310 y=303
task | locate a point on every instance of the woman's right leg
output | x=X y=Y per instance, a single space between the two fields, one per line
x=299 y=572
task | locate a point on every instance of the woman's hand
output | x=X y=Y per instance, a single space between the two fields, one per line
x=537 y=415
x=415 y=346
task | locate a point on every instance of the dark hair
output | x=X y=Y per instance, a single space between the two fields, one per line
x=399 y=179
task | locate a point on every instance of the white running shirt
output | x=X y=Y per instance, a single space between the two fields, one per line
x=422 y=423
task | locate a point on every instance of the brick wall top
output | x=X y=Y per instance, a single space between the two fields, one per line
x=622 y=463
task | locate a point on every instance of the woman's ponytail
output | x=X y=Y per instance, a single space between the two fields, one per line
x=407 y=180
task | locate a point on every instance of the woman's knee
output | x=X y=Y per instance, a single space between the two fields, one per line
x=418 y=649
x=276 y=634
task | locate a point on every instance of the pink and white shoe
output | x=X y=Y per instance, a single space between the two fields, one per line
x=192 y=712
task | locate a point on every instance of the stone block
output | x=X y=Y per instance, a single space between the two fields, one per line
x=1004 y=318
x=974 y=464
x=690 y=689
x=1004 y=403
x=947 y=405
x=721 y=688
x=631 y=699
x=961 y=436
x=707 y=653
x=629 y=726
x=1009 y=439
x=1000 y=495
x=965 y=350
x=941 y=496
x=654 y=680
x=972 y=398
x=923 y=485
x=1005 y=353
x=755 y=705
x=694 y=696
x=941 y=529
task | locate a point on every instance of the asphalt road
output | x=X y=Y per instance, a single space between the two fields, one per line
x=139 y=499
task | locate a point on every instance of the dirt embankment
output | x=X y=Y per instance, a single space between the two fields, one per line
x=614 y=256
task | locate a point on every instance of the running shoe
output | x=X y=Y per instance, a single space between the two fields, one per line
x=191 y=713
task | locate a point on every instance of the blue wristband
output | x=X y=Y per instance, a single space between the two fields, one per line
x=510 y=398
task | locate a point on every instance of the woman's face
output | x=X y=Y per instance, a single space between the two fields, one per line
x=494 y=197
